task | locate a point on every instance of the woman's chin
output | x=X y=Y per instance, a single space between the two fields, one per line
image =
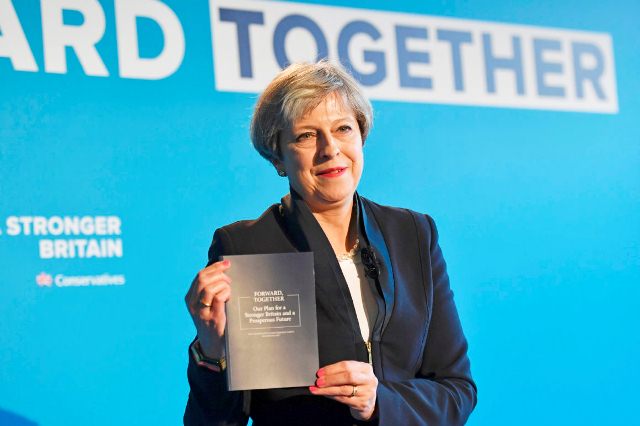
x=333 y=198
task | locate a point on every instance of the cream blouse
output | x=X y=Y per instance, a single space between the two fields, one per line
x=361 y=294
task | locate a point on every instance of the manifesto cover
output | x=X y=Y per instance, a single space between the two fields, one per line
x=271 y=331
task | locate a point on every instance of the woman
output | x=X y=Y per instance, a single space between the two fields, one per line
x=390 y=342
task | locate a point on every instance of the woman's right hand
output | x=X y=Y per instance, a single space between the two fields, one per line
x=205 y=300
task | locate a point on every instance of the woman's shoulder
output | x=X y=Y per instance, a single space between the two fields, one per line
x=266 y=220
x=394 y=213
x=247 y=236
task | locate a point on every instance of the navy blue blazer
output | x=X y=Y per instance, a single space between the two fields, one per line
x=418 y=349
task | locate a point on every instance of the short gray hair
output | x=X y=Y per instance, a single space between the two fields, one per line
x=297 y=90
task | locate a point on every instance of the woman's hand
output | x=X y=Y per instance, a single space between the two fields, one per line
x=349 y=382
x=205 y=300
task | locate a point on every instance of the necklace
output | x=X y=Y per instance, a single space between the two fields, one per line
x=351 y=253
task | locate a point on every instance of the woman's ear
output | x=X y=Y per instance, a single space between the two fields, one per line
x=279 y=167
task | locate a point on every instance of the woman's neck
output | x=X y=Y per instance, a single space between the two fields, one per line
x=338 y=227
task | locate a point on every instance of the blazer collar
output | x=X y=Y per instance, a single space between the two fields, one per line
x=373 y=236
x=307 y=235
x=332 y=292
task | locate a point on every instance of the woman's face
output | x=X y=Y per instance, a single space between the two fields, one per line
x=322 y=154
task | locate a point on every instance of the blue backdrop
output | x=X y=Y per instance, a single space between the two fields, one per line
x=538 y=212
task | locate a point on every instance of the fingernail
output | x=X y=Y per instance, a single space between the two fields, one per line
x=227 y=262
x=312 y=389
x=320 y=373
x=320 y=381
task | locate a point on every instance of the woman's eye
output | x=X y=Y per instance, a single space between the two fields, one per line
x=345 y=128
x=304 y=136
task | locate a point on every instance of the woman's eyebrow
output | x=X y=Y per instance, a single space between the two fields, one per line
x=305 y=124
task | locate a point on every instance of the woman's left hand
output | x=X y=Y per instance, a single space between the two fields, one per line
x=349 y=382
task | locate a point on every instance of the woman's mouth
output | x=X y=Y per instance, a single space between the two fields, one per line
x=332 y=172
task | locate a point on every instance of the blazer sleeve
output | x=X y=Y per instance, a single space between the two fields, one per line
x=443 y=392
x=210 y=403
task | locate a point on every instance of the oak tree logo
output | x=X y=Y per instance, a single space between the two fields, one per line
x=44 y=280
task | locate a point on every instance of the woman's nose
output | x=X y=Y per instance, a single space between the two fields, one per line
x=328 y=146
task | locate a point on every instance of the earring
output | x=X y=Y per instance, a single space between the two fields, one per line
x=282 y=173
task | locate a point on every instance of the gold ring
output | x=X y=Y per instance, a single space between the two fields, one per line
x=354 y=392
x=206 y=305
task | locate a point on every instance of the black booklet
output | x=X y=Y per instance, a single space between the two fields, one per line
x=271 y=332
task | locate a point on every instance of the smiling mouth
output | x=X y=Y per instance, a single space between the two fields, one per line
x=332 y=172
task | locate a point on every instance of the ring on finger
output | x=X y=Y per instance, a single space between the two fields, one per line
x=206 y=305
x=354 y=392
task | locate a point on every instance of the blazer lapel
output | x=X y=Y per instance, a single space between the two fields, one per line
x=375 y=239
x=332 y=293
